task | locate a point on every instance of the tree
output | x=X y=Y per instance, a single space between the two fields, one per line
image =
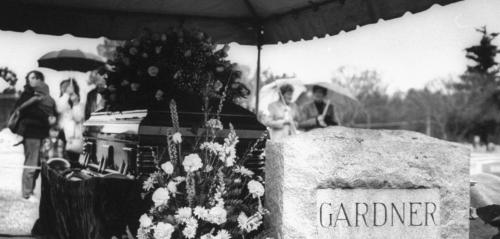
x=478 y=90
x=371 y=93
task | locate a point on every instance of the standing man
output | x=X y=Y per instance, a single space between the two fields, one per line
x=95 y=98
x=314 y=115
x=37 y=112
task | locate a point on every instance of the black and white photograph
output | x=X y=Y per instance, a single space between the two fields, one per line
x=250 y=119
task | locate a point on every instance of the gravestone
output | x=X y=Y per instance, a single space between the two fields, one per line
x=356 y=183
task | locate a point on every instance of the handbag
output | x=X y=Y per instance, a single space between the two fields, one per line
x=13 y=121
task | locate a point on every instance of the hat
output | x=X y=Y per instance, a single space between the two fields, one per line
x=42 y=89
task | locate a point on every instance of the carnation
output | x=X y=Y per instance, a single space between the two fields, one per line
x=255 y=188
x=163 y=230
x=160 y=197
x=183 y=214
x=190 y=229
x=217 y=215
x=201 y=212
x=177 y=138
x=192 y=163
x=168 y=167
x=189 y=232
x=145 y=221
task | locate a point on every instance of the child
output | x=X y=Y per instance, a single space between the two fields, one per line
x=52 y=146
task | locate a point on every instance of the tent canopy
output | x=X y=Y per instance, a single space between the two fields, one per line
x=249 y=22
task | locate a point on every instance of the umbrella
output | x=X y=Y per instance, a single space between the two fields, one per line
x=334 y=91
x=271 y=92
x=251 y=22
x=70 y=60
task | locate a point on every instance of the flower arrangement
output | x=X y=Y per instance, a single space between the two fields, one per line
x=8 y=75
x=178 y=60
x=206 y=193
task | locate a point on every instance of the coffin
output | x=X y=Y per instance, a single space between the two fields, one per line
x=134 y=142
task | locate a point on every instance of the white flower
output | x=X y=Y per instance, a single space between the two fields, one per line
x=214 y=124
x=201 y=212
x=207 y=236
x=177 y=138
x=172 y=187
x=189 y=232
x=192 y=222
x=168 y=167
x=183 y=214
x=223 y=234
x=145 y=220
x=163 y=230
x=148 y=184
x=217 y=85
x=142 y=233
x=192 y=163
x=179 y=179
x=153 y=71
x=249 y=224
x=160 y=196
x=217 y=215
x=230 y=156
x=190 y=229
x=243 y=171
x=213 y=147
x=255 y=188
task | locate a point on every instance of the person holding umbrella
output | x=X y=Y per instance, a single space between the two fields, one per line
x=283 y=114
x=319 y=113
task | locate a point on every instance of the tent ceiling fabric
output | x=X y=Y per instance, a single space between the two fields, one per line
x=225 y=20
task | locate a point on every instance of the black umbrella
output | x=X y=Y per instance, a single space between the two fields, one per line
x=70 y=60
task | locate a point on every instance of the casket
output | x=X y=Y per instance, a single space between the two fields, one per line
x=134 y=142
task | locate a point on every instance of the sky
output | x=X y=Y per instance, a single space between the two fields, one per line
x=408 y=52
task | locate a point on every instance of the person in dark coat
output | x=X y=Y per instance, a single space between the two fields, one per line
x=314 y=115
x=96 y=99
x=33 y=125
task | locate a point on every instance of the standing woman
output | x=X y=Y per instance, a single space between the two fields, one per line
x=72 y=116
x=33 y=125
x=283 y=114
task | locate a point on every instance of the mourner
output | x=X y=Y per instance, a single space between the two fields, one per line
x=319 y=113
x=37 y=111
x=283 y=114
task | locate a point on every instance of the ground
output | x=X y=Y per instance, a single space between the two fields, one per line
x=17 y=215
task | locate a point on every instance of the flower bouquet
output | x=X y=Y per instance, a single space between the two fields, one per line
x=178 y=60
x=204 y=193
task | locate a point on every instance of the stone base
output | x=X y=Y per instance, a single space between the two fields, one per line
x=339 y=157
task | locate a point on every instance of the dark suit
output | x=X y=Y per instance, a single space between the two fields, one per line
x=310 y=112
x=91 y=105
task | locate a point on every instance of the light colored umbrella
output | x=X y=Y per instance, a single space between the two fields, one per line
x=334 y=92
x=271 y=92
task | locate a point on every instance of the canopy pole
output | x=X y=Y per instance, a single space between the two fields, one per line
x=260 y=37
x=257 y=90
